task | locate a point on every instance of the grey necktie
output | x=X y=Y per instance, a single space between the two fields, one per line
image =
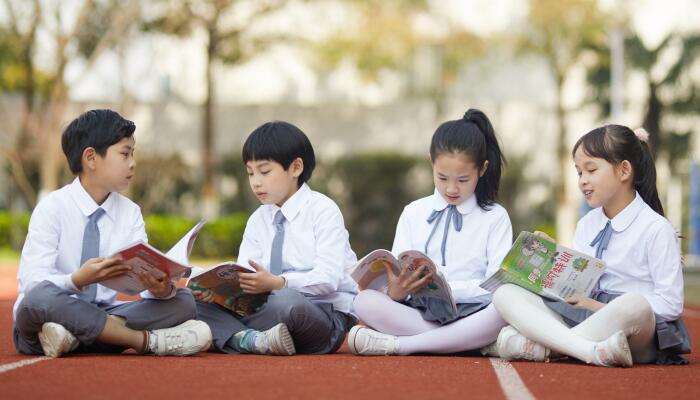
x=453 y=216
x=91 y=249
x=277 y=243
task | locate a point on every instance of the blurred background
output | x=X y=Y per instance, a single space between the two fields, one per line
x=368 y=81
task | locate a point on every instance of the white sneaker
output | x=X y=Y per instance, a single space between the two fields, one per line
x=512 y=345
x=186 y=339
x=56 y=340
x=275 y=341
x=613 y=351
x=368 y=342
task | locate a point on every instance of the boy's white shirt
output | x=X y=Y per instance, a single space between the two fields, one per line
x=53 y=247
x=316 y=254
x=472 y=254
x=643 y=256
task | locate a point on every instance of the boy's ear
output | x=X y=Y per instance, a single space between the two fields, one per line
x=89 y=156
x=297 y=167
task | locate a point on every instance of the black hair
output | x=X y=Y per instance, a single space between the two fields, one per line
x=283 y=143
x=616 y=143
x=98 y=129
x=473 y=135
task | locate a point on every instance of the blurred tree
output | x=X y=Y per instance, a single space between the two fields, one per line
x=226 y=25
x=672 y=93
x=382 y=35
x=560 y=31
x=74 y=32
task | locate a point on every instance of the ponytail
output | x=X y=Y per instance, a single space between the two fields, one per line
x=617 y=143
x=474 y=136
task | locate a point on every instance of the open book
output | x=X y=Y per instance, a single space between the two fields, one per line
x=222 y=280
x=143 y=257
x=547 y=268
x=370 y=273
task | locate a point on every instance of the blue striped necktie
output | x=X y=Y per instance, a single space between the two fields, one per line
x=453 y=216
x=602 y=239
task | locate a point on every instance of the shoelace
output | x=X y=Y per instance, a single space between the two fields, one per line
x=380 y=342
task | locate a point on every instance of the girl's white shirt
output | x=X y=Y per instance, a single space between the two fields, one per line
x=643 y=256
x=472 y=254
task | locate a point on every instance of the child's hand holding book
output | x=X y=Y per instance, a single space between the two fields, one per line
x=410 y=280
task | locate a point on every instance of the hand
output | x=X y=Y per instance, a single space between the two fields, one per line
x=406 y=282
x=97 y=270
x=202 y=296
x=544 y=235
x=260 y=281
x=160 y=287
x=584 y=302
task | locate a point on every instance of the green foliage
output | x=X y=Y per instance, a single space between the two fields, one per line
x=220 y=238
x=13 y=229
x=372 y=190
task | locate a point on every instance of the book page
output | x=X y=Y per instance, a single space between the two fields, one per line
x=182 y=249
x=438 y=286
x=142 y=258
x=222 y=280
x=370 y=271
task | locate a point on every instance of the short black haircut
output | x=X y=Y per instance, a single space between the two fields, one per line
x=98 y=129
x=283 y=143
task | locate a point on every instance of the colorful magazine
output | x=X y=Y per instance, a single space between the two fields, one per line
x=222 y=280
x=547 y=268
x=370 y=273
x=143 y=257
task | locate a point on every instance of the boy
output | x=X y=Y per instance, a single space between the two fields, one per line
x=298 y=245
x=60 y=306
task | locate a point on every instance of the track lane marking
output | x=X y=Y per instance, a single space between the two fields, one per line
x=512 y=385
x=20 y=364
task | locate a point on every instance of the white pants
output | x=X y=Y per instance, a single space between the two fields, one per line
x=630 y=313
x=417 y=335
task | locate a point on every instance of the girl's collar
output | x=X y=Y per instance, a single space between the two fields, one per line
x=464 y=208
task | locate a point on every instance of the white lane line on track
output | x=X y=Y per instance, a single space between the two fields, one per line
x=20 y=364
x=512 y=385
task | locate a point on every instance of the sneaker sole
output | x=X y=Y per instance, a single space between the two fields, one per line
x=626 y=362
x=283 y=344
x=49 y=335
x=351 y=339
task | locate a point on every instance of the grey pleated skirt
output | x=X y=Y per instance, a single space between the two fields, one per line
x=441 y=312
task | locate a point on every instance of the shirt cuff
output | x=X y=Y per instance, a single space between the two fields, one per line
x=69 y=286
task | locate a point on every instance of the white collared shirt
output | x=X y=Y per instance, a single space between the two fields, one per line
x=316 y=254
x=54 y=243
x=643 y=256
x=472 y=254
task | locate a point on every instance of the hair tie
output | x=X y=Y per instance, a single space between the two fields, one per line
x=469 y=114
x=642 y=135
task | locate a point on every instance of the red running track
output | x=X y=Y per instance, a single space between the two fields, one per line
x=339 y=376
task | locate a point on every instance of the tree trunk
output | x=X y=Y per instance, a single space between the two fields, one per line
x=565 y=202
x=209 y=196
x=652 y=119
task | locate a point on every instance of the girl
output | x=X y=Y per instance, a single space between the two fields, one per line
x=634 y=315
x=463 y=230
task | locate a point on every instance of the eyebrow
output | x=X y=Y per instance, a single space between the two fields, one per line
x=459 y=177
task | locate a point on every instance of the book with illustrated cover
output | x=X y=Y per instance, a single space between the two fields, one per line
x=222 y=280
x=370 y=273
x=547 y=268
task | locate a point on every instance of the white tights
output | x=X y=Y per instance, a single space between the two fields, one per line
x=417 y=335
x=630 y=313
